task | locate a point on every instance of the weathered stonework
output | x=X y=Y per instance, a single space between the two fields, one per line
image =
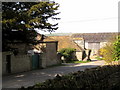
x=19 y=63
x=23 y=62
x=51 y=54
x=79 y=56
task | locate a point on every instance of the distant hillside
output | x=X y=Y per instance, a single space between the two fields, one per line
x=59 y=34
x=67 y=34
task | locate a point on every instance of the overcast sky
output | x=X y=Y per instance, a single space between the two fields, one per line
x=88 y=16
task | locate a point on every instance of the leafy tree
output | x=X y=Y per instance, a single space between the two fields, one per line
x=25 y=17
x=117 y=49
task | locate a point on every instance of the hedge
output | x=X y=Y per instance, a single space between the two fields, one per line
x=99 y=78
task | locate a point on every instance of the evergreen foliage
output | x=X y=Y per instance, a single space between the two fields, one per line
x=25 y=17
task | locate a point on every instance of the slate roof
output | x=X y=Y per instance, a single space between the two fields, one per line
x=94 y=37
x=66 y=42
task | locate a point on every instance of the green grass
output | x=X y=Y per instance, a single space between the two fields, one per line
x=99 y=58
x=78 y=61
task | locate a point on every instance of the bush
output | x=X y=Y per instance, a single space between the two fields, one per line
x=111 y=52
x=67 y=53
x=107 y=52
x=99 y=78
x=117 y=49
x=99 y=58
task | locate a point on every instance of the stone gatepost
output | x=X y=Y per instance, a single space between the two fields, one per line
x=59 y=58
x=43 y=60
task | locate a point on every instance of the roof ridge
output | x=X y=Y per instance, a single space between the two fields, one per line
x=78 y=45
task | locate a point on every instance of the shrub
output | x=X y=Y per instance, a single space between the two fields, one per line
x=117 y=49
x=99 y=78
x=111 y=52
x=99 y=58
x=67 y=53
x=107 y=52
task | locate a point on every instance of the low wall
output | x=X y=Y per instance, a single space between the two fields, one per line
x=19 y=63
x=4 y=62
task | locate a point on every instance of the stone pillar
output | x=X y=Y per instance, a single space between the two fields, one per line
x=43 y=60
x=59 y=58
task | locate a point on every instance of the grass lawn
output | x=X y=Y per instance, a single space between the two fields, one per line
x=99 y=58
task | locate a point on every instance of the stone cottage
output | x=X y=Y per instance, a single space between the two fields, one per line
x=93 y=41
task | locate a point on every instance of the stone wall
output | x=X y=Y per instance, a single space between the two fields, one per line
x=19 y=63
x=4 y=61
x=43 y=60
x=23 y=62
x=79 y=56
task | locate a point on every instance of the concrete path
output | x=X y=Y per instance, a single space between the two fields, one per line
x=35 y=76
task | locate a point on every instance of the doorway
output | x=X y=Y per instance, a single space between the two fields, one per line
x=35 y=61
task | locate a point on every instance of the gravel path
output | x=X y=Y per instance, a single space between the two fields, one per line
x=35 y=76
